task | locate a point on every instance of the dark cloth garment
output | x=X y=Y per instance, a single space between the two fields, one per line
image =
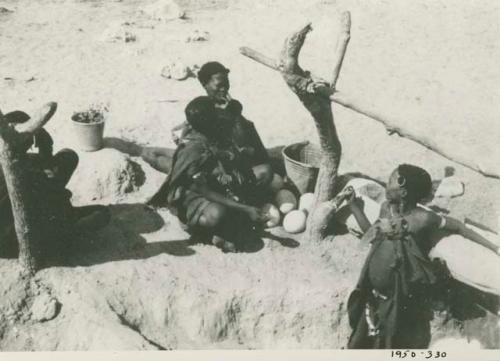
x=192 y=157
x=243 y=134
x=48 y=192
x=220 y=168
x=7 y=232
x=390 y=307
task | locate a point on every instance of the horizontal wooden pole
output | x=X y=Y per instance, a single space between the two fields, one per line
x=417 y=135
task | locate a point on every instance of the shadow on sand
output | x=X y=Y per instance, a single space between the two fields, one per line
x=122 y=239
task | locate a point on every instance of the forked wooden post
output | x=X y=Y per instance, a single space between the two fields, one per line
x=363 y=105
x=314 y=95
x=317 y=97
x=12 y=136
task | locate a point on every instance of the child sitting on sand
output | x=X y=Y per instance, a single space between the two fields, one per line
x=210 y=187
x=390 y=306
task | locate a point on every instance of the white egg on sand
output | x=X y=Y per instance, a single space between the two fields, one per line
x=273 y=213
x=306 y=202
x=295 y=221
x=285 y=201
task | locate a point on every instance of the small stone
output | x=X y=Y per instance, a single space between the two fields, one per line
x=4 y=10
x=117 y=32
x=450 y=187
x=129 y=37
x=44 y=308
x=176 y=70
x=164 y=10
x=197 y=35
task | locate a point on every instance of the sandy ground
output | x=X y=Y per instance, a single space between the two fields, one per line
x=425 y=61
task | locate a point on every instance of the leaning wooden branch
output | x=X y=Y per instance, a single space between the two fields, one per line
x=417 y=133
x=23 y=203
x=314 y=95
x=343 y=40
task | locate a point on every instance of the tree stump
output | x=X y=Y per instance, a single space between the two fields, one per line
x=23 y=202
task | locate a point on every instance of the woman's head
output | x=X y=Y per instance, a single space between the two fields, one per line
x=213 y=76
x=409 y=183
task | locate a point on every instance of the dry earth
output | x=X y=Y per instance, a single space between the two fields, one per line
x=138 y=284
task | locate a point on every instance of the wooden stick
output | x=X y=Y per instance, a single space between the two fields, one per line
x=417 y=134
x=259 y=57
x=345 y=35
x=361 y=106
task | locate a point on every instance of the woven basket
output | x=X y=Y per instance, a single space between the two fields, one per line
x=302 y=165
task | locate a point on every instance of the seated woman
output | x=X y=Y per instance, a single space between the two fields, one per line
x=213 y=76
x=48 y=174
x=210 y=187
x=390 y=306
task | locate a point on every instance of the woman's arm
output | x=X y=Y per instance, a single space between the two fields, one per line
x=255 y=214
x=158 y=158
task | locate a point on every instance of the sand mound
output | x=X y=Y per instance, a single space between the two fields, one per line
x=104 y=176
x=176 y=70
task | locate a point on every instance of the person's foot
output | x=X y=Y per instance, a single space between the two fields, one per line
x=225 y=246
x=199 y=238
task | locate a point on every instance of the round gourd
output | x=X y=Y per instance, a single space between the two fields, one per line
x=274 y=215
x=306 y=202
x=295 y=221
x=277 y=183
x=285 y=201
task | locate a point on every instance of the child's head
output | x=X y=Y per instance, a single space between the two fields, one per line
x=202 y=116
x=213 y=76
x=409 y=183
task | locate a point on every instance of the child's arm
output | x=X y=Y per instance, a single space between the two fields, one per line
x=356 y=208
x=44 y=143
x=458 y=227
x=455 y=226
